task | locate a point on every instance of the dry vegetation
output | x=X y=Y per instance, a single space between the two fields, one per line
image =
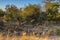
x=24 y=37
x=13 y=18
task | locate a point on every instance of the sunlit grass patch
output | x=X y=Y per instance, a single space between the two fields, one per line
x=24 y=37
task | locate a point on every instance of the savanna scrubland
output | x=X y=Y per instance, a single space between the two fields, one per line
x=30 y=22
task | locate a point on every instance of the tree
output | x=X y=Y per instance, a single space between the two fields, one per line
x=31 y=13
x=1 y=16
x=52 y=11
x=1 y=13
x=12 y=12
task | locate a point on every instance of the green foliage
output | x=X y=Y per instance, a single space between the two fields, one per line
x=31 y=12
x=58 y=31
x=1 y=13
x=12 y=12
x=52 y=12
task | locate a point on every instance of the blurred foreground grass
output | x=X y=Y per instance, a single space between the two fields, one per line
x=24 y=37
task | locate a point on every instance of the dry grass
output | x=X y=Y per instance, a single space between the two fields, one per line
x=24 y=37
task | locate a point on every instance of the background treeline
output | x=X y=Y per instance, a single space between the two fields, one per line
x=31 y=14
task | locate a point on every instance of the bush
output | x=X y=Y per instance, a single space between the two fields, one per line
x=58 y=31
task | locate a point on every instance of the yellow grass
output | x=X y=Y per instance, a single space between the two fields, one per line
x=24 y=37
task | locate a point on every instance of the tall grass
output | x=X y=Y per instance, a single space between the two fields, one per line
x=24 y=37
